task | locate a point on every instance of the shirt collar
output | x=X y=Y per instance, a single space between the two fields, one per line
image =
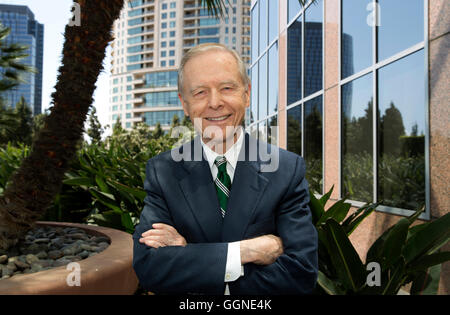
x=231 y=155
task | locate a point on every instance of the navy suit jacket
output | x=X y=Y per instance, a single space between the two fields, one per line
x=183 y=195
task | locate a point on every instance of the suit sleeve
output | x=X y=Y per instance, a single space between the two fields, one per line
x=195 y=268
x=295 y=271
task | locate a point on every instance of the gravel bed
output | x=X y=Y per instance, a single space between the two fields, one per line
x=48 y=247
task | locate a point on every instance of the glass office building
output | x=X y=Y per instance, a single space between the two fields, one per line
x=25 y=30
x=357 y=88
x=151 y=37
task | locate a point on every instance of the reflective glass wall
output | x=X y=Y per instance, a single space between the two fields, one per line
x=262 y=118
x=305 y=87
x=383 y=103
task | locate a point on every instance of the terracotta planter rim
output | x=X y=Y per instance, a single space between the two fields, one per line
x=108 y=272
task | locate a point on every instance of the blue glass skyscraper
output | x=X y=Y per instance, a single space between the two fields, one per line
x=25 y=30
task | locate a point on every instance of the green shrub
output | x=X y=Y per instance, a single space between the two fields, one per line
x=405 y=254
x=10 y=159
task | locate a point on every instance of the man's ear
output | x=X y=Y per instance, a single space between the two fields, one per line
x=184 y=104
x=247 y=95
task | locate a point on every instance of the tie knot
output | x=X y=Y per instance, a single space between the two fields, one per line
x=221 y=163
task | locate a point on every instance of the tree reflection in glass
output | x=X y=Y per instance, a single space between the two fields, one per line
x=357 y=139
x=313 y=144
x=401 y=135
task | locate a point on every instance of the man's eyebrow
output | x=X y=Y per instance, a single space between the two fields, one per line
x=229 y=82
x=232 y=82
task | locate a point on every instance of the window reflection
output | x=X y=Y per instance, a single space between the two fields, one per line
x=273 y=79
x=254 y=91
x=262 y=131
x=313 y=143
x=262 y=101
x=255 y=32
x=401 y=136
x=356 y=39
x=313 y=48
x=293 y=8
x=273 y=19
x=401 y=26
x=357 y=139
x=272 y=131
x=294 y=62
x=263 y=28
x=294 y=130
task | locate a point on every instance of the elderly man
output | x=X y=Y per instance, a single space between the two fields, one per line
x=221 y=224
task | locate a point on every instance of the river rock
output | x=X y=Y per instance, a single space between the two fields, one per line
x=3 y=259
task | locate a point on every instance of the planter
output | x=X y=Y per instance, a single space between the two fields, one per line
x=109 y=272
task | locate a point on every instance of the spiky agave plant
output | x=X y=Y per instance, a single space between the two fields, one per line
x=34 y=185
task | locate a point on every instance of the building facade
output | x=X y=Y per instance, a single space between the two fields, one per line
x=359 y=89
x=25 y=30
x=151 y=37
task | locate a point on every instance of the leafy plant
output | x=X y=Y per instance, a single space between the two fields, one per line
x=404 y=253
x=10 y=157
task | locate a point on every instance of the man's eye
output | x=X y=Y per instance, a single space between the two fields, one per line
x=199 y=93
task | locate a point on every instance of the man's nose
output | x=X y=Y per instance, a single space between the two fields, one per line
x=215 y=99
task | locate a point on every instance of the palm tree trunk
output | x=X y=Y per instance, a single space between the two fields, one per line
x=39 y=178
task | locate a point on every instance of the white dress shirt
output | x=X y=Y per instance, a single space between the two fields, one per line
x=234 y=268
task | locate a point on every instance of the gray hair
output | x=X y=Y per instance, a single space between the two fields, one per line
x=207 y=47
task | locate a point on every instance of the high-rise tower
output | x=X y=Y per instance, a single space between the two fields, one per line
x=151 y=37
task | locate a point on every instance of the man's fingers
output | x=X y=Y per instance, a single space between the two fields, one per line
x=151 y=242
x=166 y=227
x=159 y=227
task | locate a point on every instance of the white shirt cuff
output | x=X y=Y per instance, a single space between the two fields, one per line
x=233 y=269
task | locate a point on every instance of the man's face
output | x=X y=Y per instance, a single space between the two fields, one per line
x=214 y=95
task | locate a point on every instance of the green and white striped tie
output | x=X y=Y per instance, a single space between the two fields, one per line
x=223 y=183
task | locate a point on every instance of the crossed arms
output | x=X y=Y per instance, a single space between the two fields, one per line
x=263 y=250
x=273 y=264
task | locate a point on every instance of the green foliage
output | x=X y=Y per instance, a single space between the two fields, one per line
x=95 y=129
x=401 y=180
x=10 y=157
x=412 y=145
x=10 y=61
x=404 y=253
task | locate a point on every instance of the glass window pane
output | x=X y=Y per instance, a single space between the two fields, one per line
x=294 y=56
x=273 y=78
x=356 y=38
x=254 y=91
x=262 y=131
x=253 y=131
x=357 y=139
x=401 y=136
x=255 y=32
x=263 y=27
x=273 y=20
x=293 y=8
x=262 y=101
x=272 y=131
x=294 y=130
x=313 y=143
x=401 y=26
x=313 y=48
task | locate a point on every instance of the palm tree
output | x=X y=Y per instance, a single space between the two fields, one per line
x=38 y=180
x=10 y=65
x=11 y=70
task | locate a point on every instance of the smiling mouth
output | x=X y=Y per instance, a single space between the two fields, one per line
x=218 y=118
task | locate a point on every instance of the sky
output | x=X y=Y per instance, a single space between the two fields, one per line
x=55 y=14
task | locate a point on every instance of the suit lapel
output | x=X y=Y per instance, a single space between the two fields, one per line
x=247 y=189
x=200 y=193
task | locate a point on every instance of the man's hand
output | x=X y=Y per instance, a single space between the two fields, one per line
x=263 y=250
x=162 y=235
